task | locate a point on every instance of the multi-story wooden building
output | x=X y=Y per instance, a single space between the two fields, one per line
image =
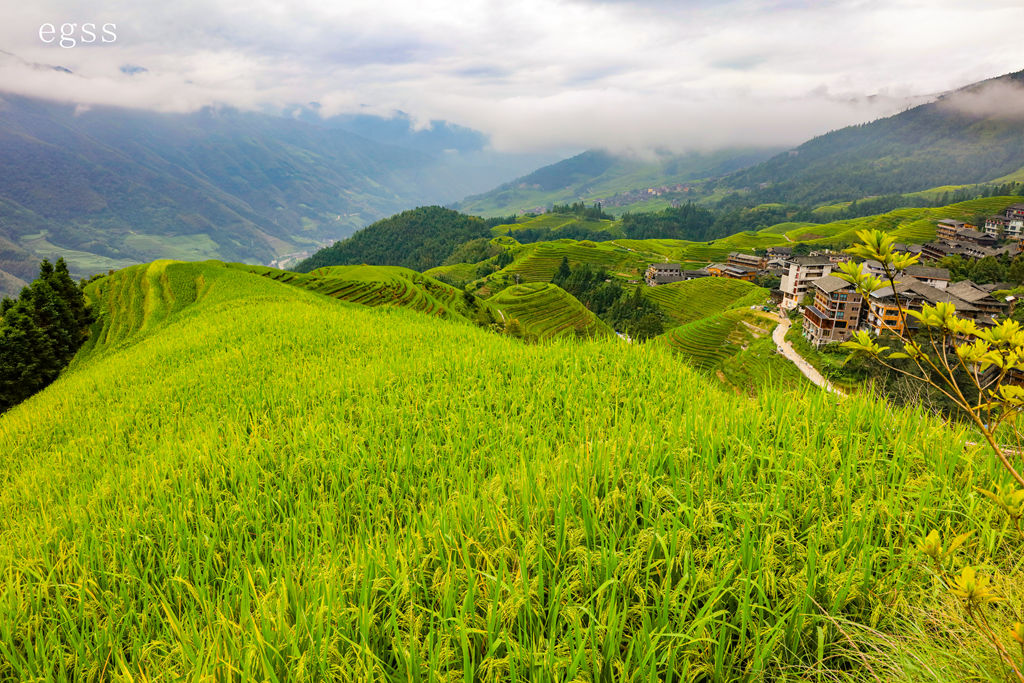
x=802 y=271
x=884 y=314
x=947 y=228
x=731 y=271
x=742 y=260
x=835 y=314
x=980 y=297
x=663 y=273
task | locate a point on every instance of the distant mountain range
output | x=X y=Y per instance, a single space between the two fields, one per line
x=971 y=135
x=107 y=187
x=619 y=182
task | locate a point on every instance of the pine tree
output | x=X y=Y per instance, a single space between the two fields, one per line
x=563 y=272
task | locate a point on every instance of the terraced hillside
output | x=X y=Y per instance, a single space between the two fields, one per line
x=548 y=311
x=375 y=286
x=240 y=479
x=560 y=222
x=912 y=225
x=539 y=261
x=687 y=301
x=627 y=258
x=736 y=346
x=458 y=272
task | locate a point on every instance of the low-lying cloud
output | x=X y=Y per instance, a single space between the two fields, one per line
x=532 y=74
x=997 y=99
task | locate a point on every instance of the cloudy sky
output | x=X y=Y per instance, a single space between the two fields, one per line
x=533 y=74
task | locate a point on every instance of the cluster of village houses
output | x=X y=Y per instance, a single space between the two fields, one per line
x=837 y=310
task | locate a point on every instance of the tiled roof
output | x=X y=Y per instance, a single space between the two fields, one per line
x=830 y=283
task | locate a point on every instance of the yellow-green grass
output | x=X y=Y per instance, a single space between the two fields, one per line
x=269 y=484
x=375 y=286
x=827 y=209
x=707 y=341
x=548 y=311
x=687 y=301
x=735 y=345
x=783 y=228
x=557 y=221
x=538 y=262
x=460 y=272
x=911 y=225
x=715 y=250
x=757 y=366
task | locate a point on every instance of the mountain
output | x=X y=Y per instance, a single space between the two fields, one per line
x=420 y=239
x=619 y=182
x=107 y=187
x=970 y=135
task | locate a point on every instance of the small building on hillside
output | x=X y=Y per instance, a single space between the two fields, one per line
x=982 y=239
x=663 y=273
x=883 y=311
x=930 y=275
x=947 y=228
x=936 y=250
x=995 y=226
x=979 y=296
x=835 y=314
x=780 y=251
x=730 y=271
x=694 y=274
x=751 y=261
x=1015 y=211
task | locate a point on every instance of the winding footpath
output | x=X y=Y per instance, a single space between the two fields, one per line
x=787 y=350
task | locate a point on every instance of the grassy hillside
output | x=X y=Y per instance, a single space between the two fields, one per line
x=548 y=311
x=912 y=225
x=686 y=301
x=375 y=286
x=714 y=342
x=242 y=479
x=538 y=262
x=559 y=222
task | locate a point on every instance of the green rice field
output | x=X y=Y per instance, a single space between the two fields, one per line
x=243 y=479
x=547 y=311
x=687 y=301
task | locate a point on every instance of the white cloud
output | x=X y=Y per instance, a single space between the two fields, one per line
x=531 y=73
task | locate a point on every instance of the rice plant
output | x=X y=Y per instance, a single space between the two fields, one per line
x=240 y=479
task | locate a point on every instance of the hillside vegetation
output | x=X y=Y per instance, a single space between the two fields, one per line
x=736 y=346
x=375 y=286
x=686 y=301
x=547 y=311
x=420 y=239
x=239 y=478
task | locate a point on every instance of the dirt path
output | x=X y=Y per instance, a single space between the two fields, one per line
x=787 y=350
